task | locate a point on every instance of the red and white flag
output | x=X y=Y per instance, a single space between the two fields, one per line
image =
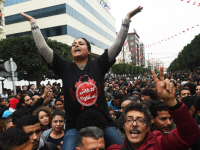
x=125 y=43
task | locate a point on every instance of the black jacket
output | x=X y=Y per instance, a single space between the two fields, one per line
x=2 y=109
x=49 y=146
x=37 y=104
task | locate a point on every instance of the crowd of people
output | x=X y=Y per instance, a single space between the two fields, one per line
x=94 y=111
x=38 y=114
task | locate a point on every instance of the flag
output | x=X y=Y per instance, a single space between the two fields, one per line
x=125 y=43
x=140 y=56
x=101 y=1
x=105 y=5
x=188 y=1
x=199 y=5
x=194 y=2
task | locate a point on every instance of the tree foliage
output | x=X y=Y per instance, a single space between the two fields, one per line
x=188 y=58
x=31 y=65
x=129 y=69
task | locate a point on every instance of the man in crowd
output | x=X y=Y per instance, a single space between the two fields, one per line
x=4 y=94
x=59 y=104
x=90 y=138
x=4 y=105
x=197 y=109
x=15 y=139
x=161 y=119
x=31 y=125
x=12 y=108
x=32 y=90
x=34 y=99
x=137 y=118
x=25 y=102
x=115 y=102
x=149 y=94
x=183 y=92
x=189 y=101
x=178 y=85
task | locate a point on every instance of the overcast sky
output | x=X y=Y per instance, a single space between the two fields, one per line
x=159 y=20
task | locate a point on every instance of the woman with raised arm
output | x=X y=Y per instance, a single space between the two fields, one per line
x=82 y=79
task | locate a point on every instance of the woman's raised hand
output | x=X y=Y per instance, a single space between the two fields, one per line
x=27 y=17
x=133 y=12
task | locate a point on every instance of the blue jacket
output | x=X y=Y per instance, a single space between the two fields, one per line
x=44 y=136
x=111 y=103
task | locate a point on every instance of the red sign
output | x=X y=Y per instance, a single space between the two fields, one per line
x=87 y=93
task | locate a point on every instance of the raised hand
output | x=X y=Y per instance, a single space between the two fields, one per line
x=46 y=91
x=27 y=17
x=133 y=12
x=165 y=89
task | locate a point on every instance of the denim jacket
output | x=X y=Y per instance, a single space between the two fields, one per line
x=44 y=136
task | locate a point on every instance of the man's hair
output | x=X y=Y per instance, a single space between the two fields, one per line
x=57 y=113
x=110 y=108
x=93 y=132
x=138 y=107
x=192 y=88
x=3 y=124
x=188 y=101
x=18 y=114
x=21 y=101
x=125 y=99
x=91 y=117
x=12 y=137
x=59 y=94
x=118 y=95
x=136 y=84
x=188 y=79
x=149 y=92
x=183 y=88
x=58 y=100
x=27 y=120
x=157 y=106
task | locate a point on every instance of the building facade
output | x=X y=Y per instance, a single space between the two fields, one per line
x=142 y=55
x=125 y=54
x=2 y=23
x=64 y=21
x=134 y=47
x=155 y=63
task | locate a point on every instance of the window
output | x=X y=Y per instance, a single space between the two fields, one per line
x=127 y=38
x=13 y=2
x=96 y=14
x=132 y=43
x=131 y=37
x=47 y=32
x=132 y=54
x=133 y=60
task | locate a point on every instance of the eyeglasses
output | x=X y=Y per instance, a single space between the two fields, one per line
x=139 y=122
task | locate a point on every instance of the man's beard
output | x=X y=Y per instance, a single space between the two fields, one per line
x=27 y=106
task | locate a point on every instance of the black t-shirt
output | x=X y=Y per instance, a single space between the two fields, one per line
x=55 y=141
x=83 y=89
